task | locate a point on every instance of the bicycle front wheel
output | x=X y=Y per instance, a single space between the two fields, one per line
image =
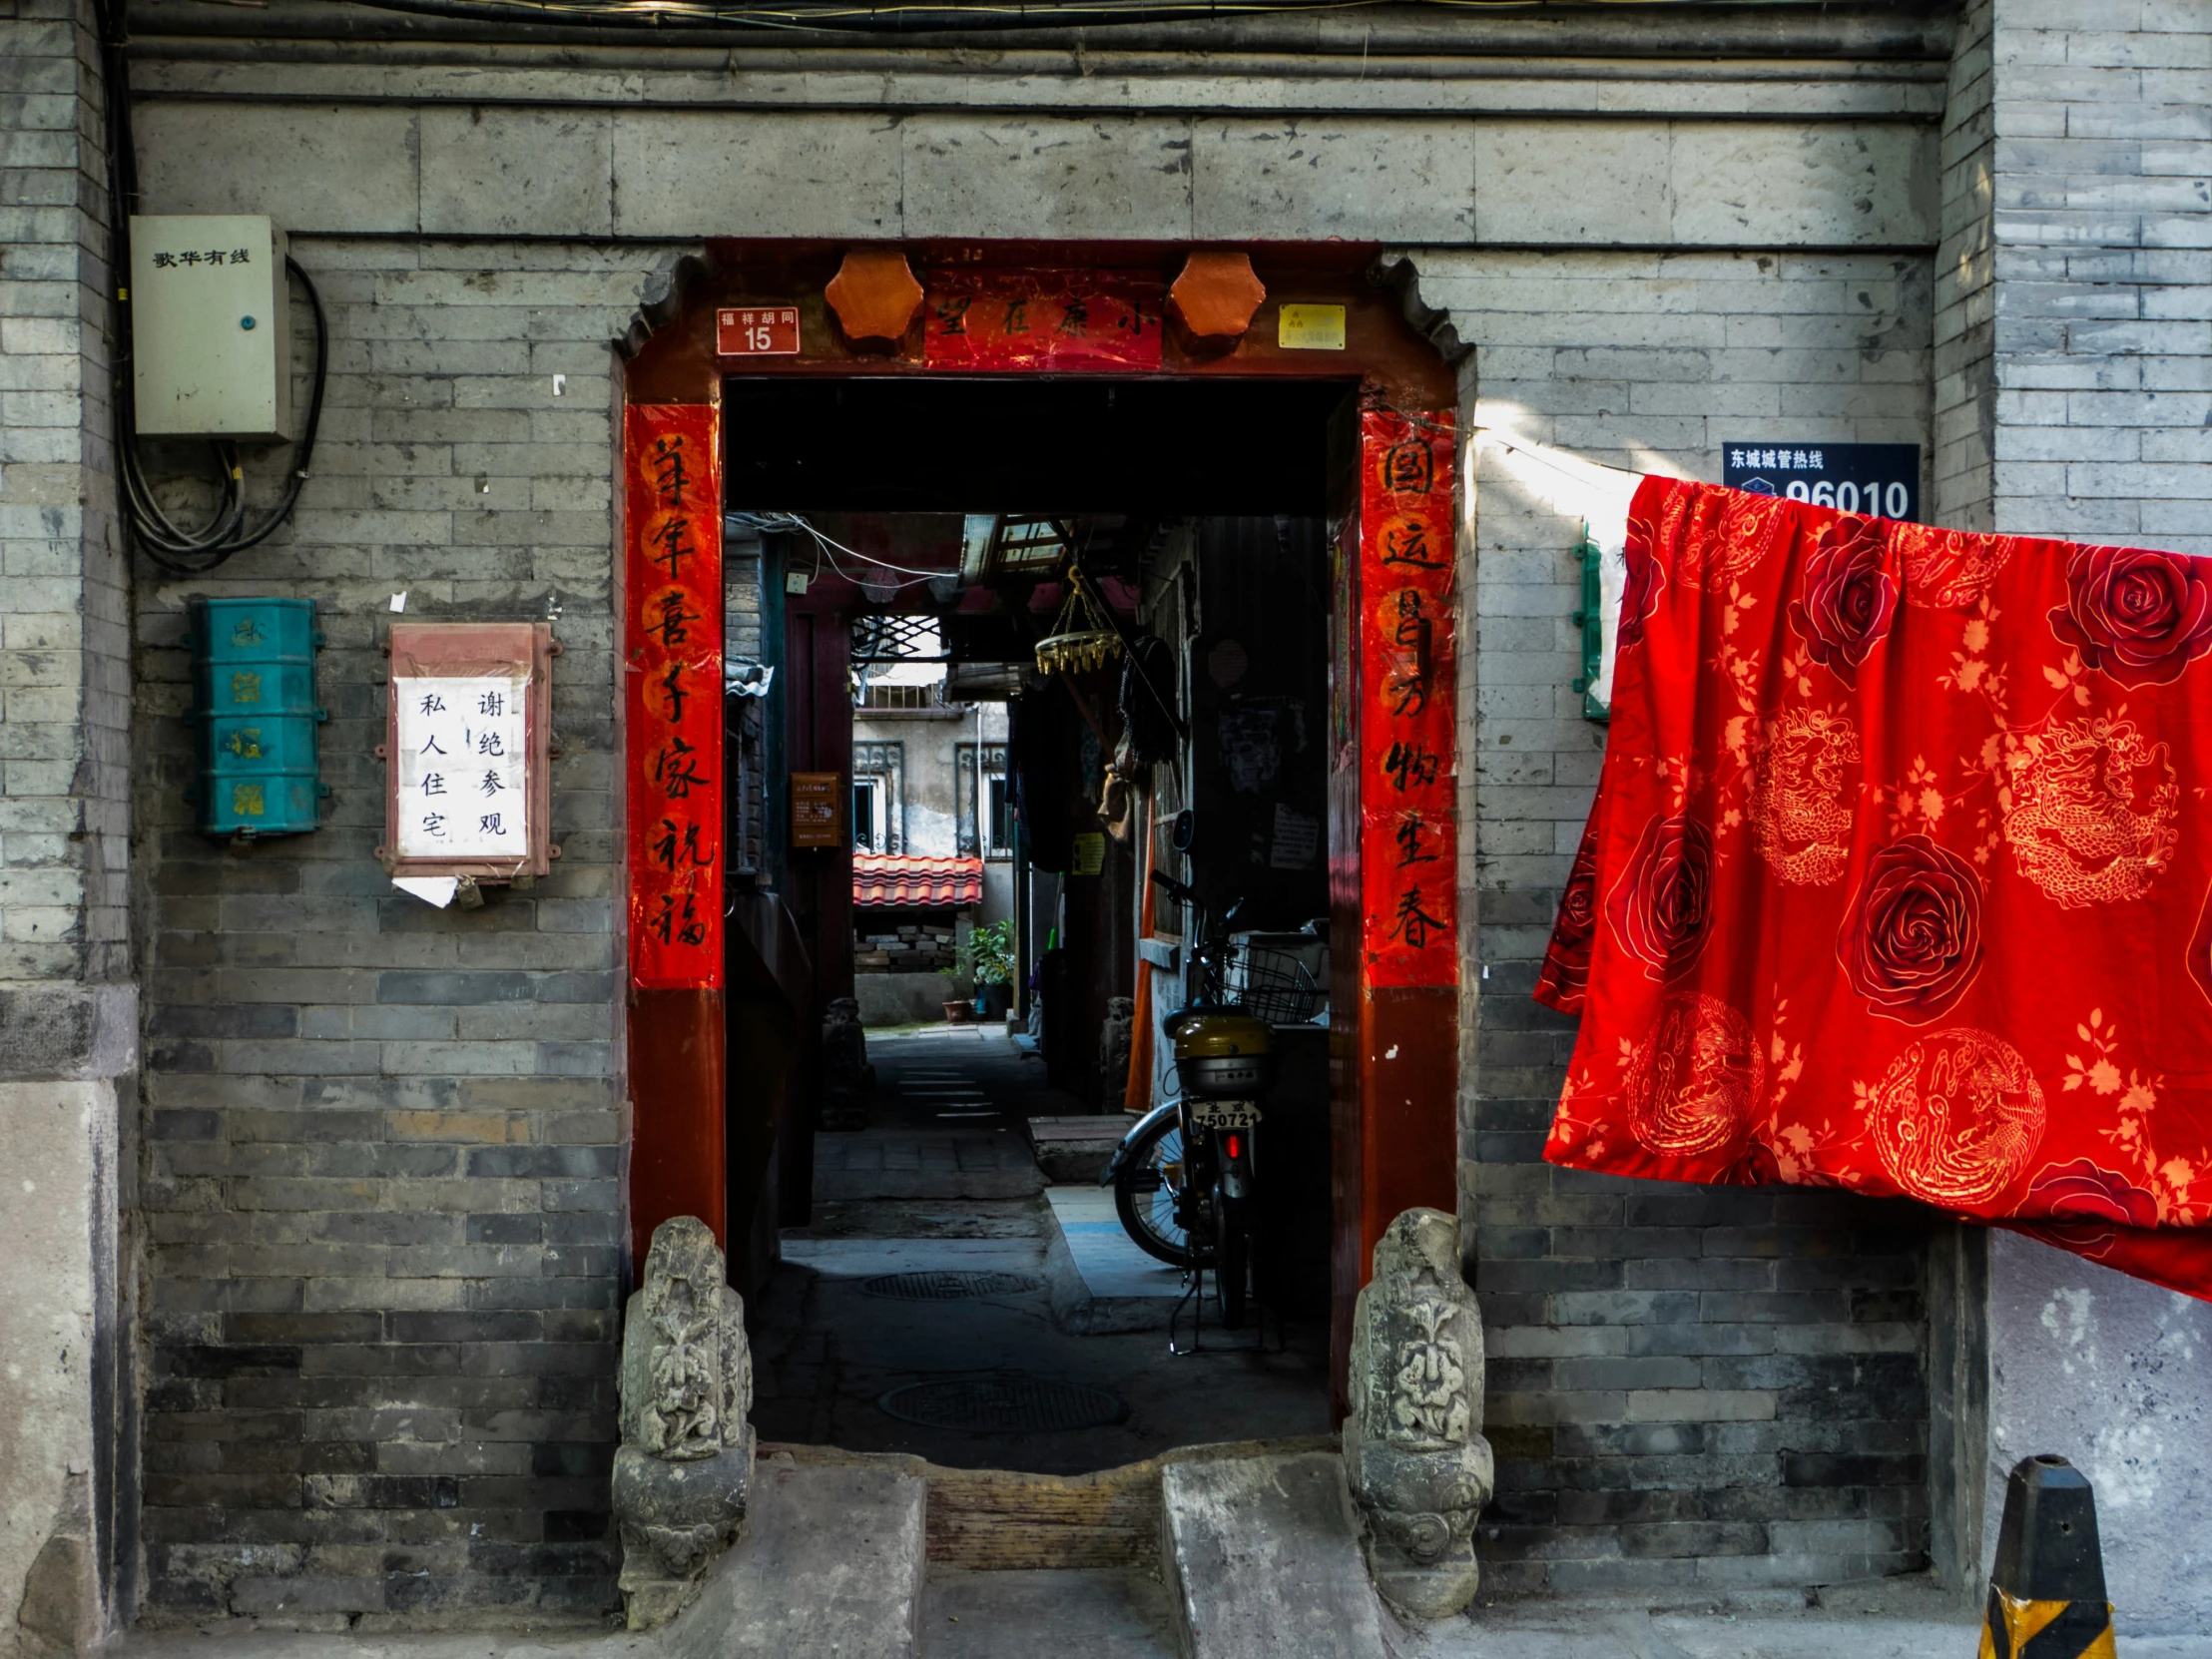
x=1148 y=1192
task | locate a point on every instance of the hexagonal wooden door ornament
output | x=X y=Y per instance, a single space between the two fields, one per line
x=1216 y=297
x=875 y=298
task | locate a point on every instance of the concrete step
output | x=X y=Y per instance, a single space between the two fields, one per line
x=1264 y=1563
x=1101 y=1281
x=1074 y=1150
x=1094 y=1614
x=831 y=1567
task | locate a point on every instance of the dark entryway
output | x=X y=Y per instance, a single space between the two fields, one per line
x=966 y=519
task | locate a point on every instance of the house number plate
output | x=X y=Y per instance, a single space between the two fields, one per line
x=757 y=332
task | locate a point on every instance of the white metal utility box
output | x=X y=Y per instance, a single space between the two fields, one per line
x=211 y=326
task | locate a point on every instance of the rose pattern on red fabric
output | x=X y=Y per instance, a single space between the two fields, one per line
x=2135 y=614
x=1847 y=599
x=1663 y=901
x=1912 y=941
x=1884 y=931
x=1566 y=968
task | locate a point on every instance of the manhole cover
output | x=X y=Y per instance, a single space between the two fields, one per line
x=1004 y=1405
x=941 y=1286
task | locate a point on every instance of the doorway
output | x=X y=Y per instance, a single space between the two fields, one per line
x=951 y=1279
x=885 y=423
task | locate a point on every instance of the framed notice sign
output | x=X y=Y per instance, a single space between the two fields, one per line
x=467 y=736
x=818 y=809
x=1882 y=480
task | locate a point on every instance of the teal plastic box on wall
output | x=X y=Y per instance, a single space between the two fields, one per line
x=254 y=714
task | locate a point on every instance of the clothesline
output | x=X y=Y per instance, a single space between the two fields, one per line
x=1547 y=455
x=1605 y=490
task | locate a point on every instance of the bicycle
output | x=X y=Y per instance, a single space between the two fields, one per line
x=1184 y=1176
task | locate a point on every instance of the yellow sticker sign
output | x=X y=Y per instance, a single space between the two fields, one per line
x=1090 y=853
x=1311 y=329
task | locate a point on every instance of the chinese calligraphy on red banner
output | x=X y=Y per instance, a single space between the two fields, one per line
x=1059 y=319
x=673 y=657
x=1408 y=847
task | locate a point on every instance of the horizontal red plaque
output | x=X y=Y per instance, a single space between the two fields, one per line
x=1041 y=320
x=757 y=332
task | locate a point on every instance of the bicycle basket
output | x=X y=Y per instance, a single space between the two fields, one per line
x=1272 y=985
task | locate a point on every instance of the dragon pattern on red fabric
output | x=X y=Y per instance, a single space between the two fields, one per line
x=1900 y=876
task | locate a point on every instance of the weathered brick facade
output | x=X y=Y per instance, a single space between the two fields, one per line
x=383 y=1193
x=64 y=607
x=1678 y=1375
x=68 y=999
x=2077 y=330
x=1722 y=1348
x=380 y=1185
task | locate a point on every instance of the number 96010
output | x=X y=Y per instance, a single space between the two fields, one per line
x=1882 y=500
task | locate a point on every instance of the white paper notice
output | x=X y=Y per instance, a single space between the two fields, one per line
x=463 y=785
x=431 y=890
x=1297 y=841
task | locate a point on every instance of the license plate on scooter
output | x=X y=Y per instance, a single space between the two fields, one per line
x=1224 y=1114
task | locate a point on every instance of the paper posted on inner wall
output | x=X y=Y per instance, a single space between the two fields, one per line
x=1900 y=876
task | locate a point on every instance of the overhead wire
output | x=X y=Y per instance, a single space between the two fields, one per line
x=827 y=546
x=936 y=16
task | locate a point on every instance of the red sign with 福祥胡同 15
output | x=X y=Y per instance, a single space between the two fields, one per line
x=671 y=658
x=1408 y=845
x=757 y=332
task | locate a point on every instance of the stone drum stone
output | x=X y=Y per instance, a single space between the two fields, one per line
x=685 y=1466
x=1418 y=1462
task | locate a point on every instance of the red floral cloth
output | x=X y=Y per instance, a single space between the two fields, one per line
x=1900 y=876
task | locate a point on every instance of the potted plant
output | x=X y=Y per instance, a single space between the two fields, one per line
x=986 y=956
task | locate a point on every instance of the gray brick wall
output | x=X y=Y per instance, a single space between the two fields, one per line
x=382 y=1192
x=2101 y=213
x=382 y=1184
x=1689 y=1386
x=1965 y=418
x=68 y=1006
x=2099 y=377
x=64 y=608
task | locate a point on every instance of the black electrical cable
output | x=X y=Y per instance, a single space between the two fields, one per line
x=176 y=549
x=885 y=17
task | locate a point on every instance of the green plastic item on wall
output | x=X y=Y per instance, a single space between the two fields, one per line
x=254 y=717
x=1591 y=619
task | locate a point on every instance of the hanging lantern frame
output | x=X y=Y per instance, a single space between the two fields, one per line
x=1082 y=637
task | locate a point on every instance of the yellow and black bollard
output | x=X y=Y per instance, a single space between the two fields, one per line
x=2046 y=1592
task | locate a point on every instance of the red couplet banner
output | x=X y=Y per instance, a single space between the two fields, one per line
x=1408 y=850
x=672 y=660
x=1900 y=876
x=1060 y=320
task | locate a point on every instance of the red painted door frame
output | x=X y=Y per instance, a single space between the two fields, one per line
x=1395 y=998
